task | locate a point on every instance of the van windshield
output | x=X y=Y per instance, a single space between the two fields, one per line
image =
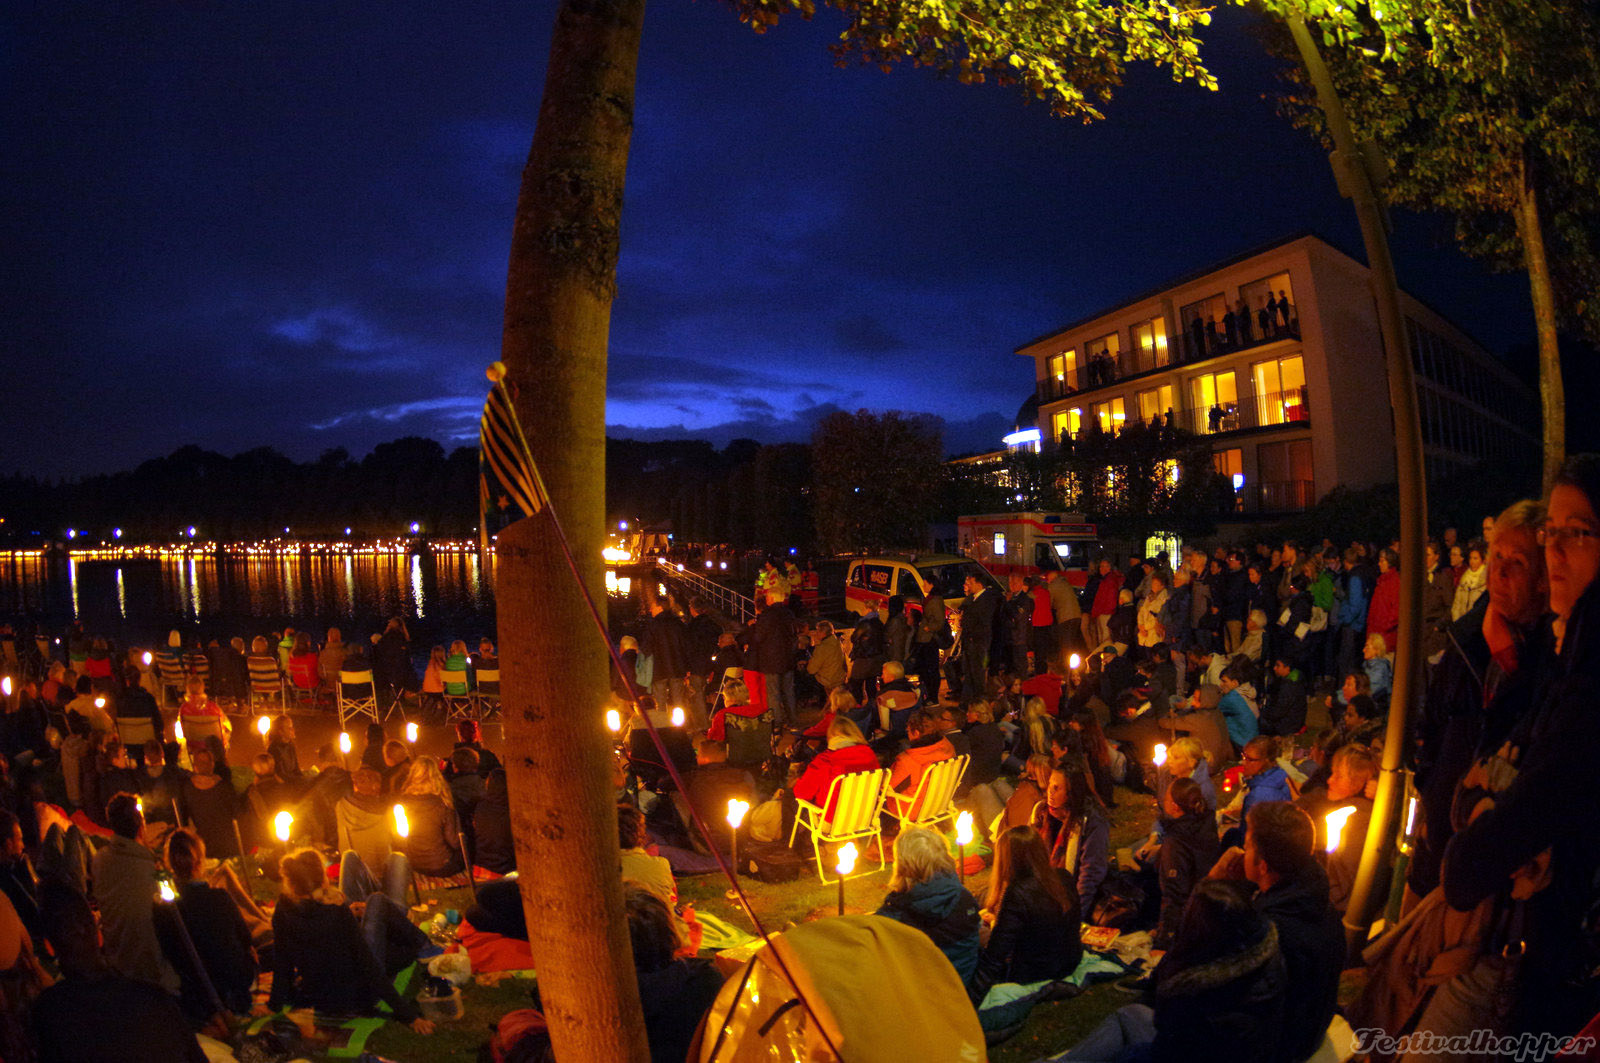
x=947 y=580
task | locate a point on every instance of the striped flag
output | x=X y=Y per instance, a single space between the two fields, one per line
x=508 y=481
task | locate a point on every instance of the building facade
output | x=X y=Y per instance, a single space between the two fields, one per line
x=1276 y=357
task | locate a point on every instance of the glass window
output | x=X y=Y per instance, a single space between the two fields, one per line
x=1280 y=390
x=1150 y=343
x=1067 y=423
x=1102 y=359
x=1064 y=369
x=1215 y=400
x=1155 y=403
x=1204 y=327
x=909 y=588
x=1270 y=309
x=1111 y=415
x=1045 y=558
x=999 y=544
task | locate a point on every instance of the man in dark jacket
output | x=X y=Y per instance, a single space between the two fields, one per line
x=770 y=643
x=663 y=641
x=700 y=643
x=1284 y=712
x=977 y=635
x=1293 y=894
x=1235 y=603
x=867 y=654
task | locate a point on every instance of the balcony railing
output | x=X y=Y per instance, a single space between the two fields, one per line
x=1250 y=411
x=1097 y=371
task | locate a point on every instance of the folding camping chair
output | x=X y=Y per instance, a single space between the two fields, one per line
x=358 y=696
x=174 y=681
x=197 y=729
x=932 y=802
x=857 y=803
x=135 y=731
x=488 y=692
x=266 y=684
x=457 y=706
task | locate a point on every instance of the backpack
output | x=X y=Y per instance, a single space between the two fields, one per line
x=771 y=861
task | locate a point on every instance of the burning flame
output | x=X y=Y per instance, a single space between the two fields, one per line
x=344 y=741
x=736 y=811
x=177 y=729
x=401 y=826
x=411 y=733
x=847 y=859
x=282 y=824
x=613 y=721
x=677 y=716
x=168 y=894
x=5 y=686
x=964 y=829
x=1160 y=755
x=1074 y=662
x=1335 y=821
x=148 y=658
x=263 y=725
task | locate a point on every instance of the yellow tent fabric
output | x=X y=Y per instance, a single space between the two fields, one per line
x=881 y=989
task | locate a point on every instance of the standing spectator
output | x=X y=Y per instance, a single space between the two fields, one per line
x=1042 y=633
x=1383 y=614
x=978 y=613
x=664 y=642
x=867 y=653
x=1104 y=602
x=1068 y=613
x=770 y=649
x=1473 y=582
x=897 y=631
x=1016 y=622
x=391 y=661
x=1235 y=601
x=700 y=639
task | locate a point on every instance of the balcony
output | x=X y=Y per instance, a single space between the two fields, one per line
x=1190 y=347
x=1249 y=411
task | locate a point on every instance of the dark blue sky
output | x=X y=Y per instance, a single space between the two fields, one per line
x=285 y=224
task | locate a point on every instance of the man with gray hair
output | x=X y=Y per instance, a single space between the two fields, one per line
x=1479 y=688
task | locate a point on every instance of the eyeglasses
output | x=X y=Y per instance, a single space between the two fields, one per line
x=1573 y=535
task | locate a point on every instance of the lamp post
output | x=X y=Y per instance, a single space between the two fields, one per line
x=736 y=810
x=845 y=865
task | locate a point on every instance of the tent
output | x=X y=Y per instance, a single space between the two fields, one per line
x=881 y=991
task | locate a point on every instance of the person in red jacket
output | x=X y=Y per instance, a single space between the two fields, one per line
x=1105 y=601
x=847 y=752
x=1383 y=615
x=1042 y=637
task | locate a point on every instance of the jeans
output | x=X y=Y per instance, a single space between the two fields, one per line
x=64 y=857
x=780 y=697
x=356 y=879
x=1125 y=1035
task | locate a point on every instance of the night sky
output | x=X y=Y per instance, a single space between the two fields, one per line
x=285 y=224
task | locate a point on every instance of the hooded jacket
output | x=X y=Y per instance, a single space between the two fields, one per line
x=1230 y=1006
x=1311 y=939
x=1285 y=710
x=941 y=908
x=1189 y=848
x=365 y=826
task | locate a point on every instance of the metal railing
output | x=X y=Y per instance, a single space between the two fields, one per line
x=690 y=583
x=1097 y=372
x=1249 y=411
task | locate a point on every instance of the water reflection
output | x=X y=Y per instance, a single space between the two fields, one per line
x=446 y=595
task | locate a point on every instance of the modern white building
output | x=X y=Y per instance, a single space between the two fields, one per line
x=1276 y=356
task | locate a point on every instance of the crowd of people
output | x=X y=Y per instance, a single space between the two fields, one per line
x=96 y=827
x=1194 y=682
x=1197 y=684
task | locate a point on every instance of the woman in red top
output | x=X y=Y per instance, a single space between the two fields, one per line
x=1383 y=615
x=847 y=752
x=303 y=662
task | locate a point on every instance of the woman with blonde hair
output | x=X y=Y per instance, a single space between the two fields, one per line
x=1033 y=911
x=926 y=893
x=433 y=841
x=847 y=752
x=1038 y=727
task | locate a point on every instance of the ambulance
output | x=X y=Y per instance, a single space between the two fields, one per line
x=1031 y=544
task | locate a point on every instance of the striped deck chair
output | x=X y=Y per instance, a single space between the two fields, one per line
x=932 y=802
x=174 y=680
x=266 y=684
x=857 y=803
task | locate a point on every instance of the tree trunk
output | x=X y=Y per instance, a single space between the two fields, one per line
x=559 y=289
x=1356 y=181
x=1552 y=392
